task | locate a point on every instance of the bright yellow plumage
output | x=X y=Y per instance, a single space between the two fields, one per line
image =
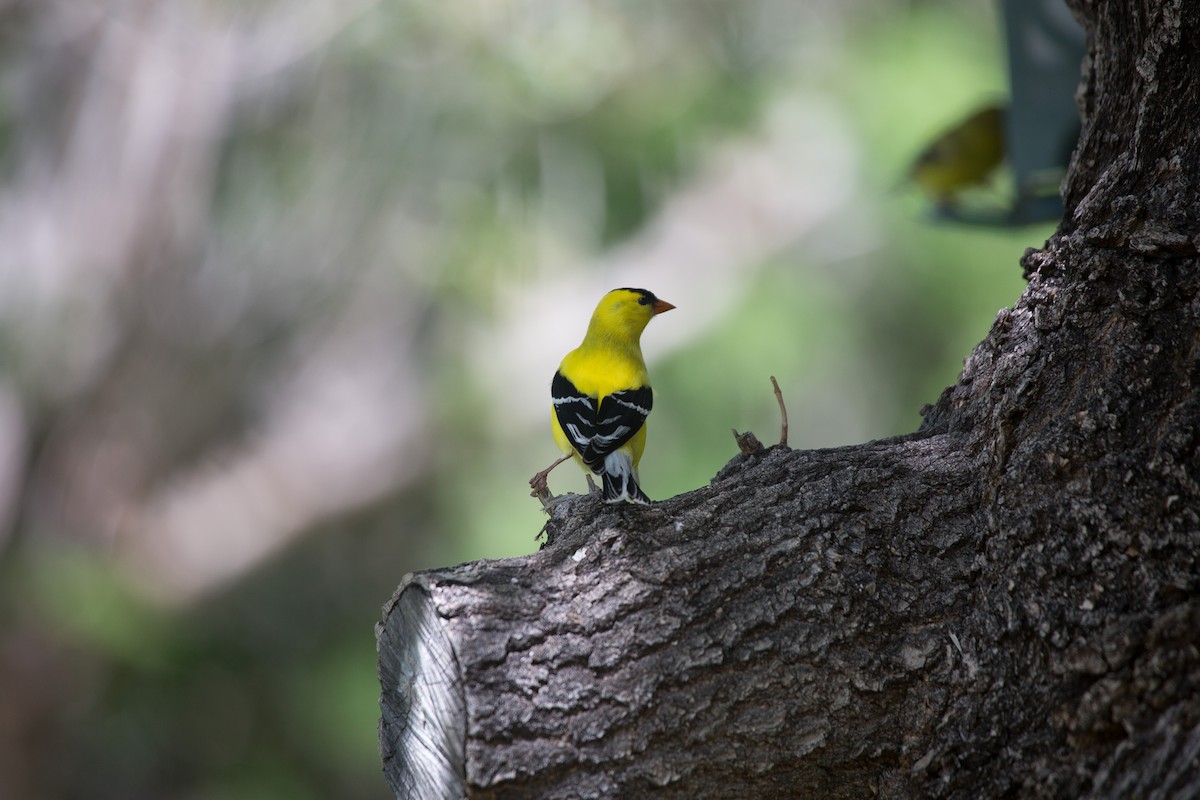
x=601 y=394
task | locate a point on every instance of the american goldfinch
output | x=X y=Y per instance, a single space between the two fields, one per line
x=601 y=396
x=961 y=157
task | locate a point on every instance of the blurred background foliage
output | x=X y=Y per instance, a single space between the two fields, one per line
x=282 y=286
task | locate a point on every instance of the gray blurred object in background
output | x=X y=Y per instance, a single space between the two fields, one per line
x=1045 y=49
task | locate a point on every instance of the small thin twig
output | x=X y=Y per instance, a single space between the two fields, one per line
x=783 y=429
x=748 y=443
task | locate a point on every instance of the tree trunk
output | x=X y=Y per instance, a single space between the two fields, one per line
x=1005 y=603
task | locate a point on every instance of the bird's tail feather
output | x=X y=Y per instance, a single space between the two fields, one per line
x=620 y=480
x=622 y=487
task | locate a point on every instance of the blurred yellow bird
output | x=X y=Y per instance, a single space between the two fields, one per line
x=601 y=396
x=961 y=157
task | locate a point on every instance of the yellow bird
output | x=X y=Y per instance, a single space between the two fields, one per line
x=601 y=396
x=961 y=157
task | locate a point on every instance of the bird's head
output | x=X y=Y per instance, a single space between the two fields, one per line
x=626 y=311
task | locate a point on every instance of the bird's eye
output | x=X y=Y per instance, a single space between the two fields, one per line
x=643 y=300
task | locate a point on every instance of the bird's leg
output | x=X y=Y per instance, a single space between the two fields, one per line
x=541 y=490
x=592 y=488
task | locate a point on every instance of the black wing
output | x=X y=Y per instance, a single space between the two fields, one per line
x=576 y=412
x=596 y=429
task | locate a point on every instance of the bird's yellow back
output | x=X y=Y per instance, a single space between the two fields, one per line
x=600 y=370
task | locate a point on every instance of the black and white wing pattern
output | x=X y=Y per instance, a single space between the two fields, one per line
x=597 y=428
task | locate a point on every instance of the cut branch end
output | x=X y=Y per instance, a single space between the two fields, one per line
x=747 y=442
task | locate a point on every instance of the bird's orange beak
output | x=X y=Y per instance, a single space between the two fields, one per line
x=662 y=305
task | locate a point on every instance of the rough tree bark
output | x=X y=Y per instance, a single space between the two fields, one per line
x=1005 y=603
